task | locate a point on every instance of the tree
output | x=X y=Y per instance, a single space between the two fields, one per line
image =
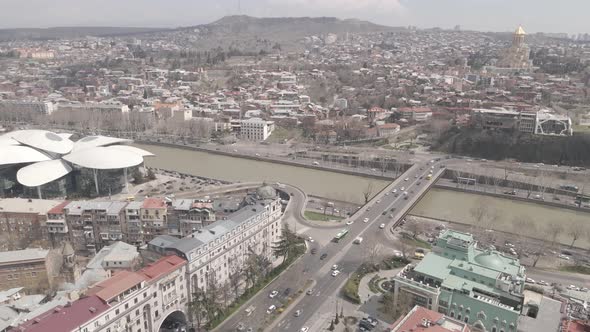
x=414 y=227
x=196 y=308
x=479 y=212
x=519 y=224
x=331 y=328
x=576 y=231
x=286 y=243
x=137 y=176
x=235 y=279
x=368 y=191
x=150 y=174
x=405 y=248
x=554 y=230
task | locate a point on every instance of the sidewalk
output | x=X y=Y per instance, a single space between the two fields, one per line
x=365 y=292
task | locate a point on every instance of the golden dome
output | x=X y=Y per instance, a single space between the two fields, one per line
x=519 y=31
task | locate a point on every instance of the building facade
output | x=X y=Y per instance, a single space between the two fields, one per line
x=481 y=288
x=256 y=129
x=33 y=269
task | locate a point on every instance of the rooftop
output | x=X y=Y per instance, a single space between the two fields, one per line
x=117 y=284
x=162 y=267
x=23 y=205
x=420 y=319
x=153 y=203
x=34 y=254
x=65 y=318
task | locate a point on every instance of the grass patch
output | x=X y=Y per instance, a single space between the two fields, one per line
x=583 y=269
x=410 y=241
x=311 y=215
x=350 y=291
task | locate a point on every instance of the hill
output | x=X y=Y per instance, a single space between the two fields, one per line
x=70 y=32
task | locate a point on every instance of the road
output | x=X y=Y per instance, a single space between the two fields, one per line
x=345 y=254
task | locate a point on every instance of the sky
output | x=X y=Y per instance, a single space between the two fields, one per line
x=485 y=15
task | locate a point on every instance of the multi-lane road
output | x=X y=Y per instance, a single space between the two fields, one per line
x=347 y=255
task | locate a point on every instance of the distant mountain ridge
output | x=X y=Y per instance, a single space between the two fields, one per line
x=71 y=32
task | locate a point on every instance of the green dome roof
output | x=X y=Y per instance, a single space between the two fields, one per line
x=490 y=260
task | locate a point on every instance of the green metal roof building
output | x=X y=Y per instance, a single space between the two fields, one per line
x=481 y=287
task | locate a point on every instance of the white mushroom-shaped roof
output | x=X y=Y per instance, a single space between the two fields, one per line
x=38 y=174
x=17 y=154
x=132 y=149
x=6 y=140
x=43 y=140
x=94 y=141
x=104 y=158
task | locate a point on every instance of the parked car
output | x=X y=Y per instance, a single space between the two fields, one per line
x=273 y=294
x=323 y=256
x=271 y=309
x=335 y=267
x=562 y=256
x=366 y=220
x=530 y=280
x=350 y=222
x=304 y=329
x=297 y=313
x=382 y=226
x=335 y=273
x=309 y=291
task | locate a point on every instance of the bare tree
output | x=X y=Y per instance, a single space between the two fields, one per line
x=414 y=227
x=525 y=229
x=406 y=248
x=397 y=168
x=554 y=230
x=368 y=192
x=479 y=212
x=373 y=253
x=235 y=280
x=576 y=231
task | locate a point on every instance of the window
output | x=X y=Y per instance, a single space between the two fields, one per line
x=466 y=319
x=493 y=329
x=452 y=314
x=126 y=306
x=459 y=317
x=117 y=312
x=135 y=300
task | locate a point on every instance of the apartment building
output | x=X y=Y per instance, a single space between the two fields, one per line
x=133 y=222
x=189 y=215
x=34 y=269
x=129 y=301
x=19 y=106
x=418 y=114
x=94 y=108
x=256 y=129
x=213 y=252
x=154 y=219
x=483 y=288
x=95 y=224
x=23 y=221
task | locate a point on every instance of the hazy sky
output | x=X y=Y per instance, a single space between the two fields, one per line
x=489 y=15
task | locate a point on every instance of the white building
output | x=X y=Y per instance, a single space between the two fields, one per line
x=217 y=250
x=256 y=129
x=27 y=106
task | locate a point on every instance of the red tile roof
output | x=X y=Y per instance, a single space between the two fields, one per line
x=415 y=319
x=153 y=203
x=65 y=318
x=576 y=326
x=115 y=285
x=161 y=267
x=58 y=209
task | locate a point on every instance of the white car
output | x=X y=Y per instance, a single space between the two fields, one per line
x=310 y=239
x=273 y=294
x=382 y=226
x=334 y=267
x=402 y=188
x=543 y=283
x=350 y=222
x=304 y=329
x=386 y=194
x=366 y=220
x=394 y=191
x=562 y=256
x=378 y=201
x=335 y=273
x=271 y=309
x=407 y=179
x=530 y=280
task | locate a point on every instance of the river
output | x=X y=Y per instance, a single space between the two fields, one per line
x=456 y=206
x=332 y=185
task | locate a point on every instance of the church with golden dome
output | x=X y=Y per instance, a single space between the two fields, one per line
x=517 y=55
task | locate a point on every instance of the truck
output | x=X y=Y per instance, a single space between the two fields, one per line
x=358 y=240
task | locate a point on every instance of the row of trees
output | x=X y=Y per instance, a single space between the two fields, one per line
x=211 y=304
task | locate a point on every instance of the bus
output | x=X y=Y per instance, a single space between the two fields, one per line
x=569 y=187
x=468 y=181
x=340 y=235
x=582 y=200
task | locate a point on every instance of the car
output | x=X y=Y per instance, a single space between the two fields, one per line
x=402 y=188
x=530 y=280
x=378 y=201
x=250 y=330
x=373 y=321
x=304 y=329
x=418 y=183
x=335 y=267
x=310 y=239
x=309 y=291
x=416 y=176
x=323 y=256
x=394 y=191
x=271 y=309
x=335 y=273
x=562 y=256
x=584 y=289
x=391 y=216
x=397 y=253
x=386 y=194
x=382 y=226
x=366 y=220
x=273 y=294
x=314 y=250
x=407 y=179
x=572 y=287
x=350 y=222
x=383 y=213
x=509 y=245
x=539 y=197
x=297 y=313
x=543 y=283
x=511 y=192
x=287 y=291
